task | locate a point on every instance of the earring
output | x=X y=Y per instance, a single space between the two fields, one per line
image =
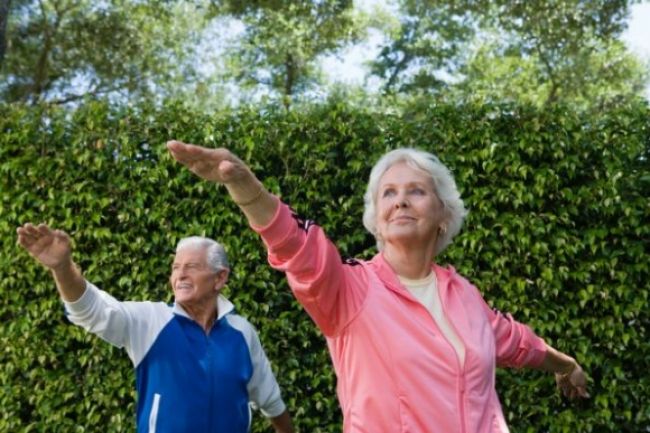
x=442 y=229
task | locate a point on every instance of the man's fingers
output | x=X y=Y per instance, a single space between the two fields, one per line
x=30 y=230
x=44 y=230
x=29 y=233
x=25 y=240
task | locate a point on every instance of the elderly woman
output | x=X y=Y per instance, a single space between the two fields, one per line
x=414 y=344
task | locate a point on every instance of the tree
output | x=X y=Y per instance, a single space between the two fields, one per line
x=566 y=38
x=430 y=39
x=565 y=48
x=282 y=42
x=600 y=74
x=63 y=50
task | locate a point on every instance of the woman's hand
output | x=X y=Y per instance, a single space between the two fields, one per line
x=217 y=165
x=572 y=383
x=569 y=376
x=222 y=166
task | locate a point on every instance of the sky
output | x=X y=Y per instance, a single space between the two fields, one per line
x=637 y=35
x=349 y=67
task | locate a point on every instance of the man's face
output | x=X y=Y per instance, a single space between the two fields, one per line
x=193 y=282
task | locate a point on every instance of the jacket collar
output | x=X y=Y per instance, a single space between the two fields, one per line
x=223 y=305
x=389 y=277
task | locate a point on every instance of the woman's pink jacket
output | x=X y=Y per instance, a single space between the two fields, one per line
x=396 y=372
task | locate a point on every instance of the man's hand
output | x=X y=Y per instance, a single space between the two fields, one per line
x=50 y=247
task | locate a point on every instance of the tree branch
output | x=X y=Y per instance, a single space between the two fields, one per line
x=75 y=97
x=4 y=17
x=289 y=82
x=40 y=83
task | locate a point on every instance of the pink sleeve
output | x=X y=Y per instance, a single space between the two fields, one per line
x=330 y=290
x=516 y=344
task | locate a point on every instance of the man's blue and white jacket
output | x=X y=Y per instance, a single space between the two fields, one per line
x=187 y=380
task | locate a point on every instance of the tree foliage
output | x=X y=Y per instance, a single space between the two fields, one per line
x=540 y=52
x=284 y=40
x=432 y=36
x=63 y=50
x=601 y=74
x=567 y=49
x=557 y=235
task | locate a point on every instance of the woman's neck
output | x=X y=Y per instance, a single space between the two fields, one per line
x=413 y=264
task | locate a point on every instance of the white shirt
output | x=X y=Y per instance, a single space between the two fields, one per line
x=425 y=290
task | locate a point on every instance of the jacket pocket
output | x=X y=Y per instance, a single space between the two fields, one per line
x=153 y=415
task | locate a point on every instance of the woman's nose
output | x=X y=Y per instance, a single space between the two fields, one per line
x=401 y=202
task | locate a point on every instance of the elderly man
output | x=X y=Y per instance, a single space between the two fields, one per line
x=199 y=367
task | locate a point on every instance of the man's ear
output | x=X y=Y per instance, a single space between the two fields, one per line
x=222 y=279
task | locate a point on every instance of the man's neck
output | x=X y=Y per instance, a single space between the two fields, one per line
x=204 y=314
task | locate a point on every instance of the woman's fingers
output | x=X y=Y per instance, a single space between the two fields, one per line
x=572 y=385
x=183 y=152
x=218 y=165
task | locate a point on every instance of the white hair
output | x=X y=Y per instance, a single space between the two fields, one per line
x=215 y=256
x=443 y=183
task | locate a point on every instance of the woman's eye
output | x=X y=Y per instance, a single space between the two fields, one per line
x=417 y=191
x=388 y=193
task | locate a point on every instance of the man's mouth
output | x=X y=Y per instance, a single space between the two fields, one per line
x=183 y=286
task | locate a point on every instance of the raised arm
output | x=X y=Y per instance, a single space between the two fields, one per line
x=222 y=166
x=52 y=249
x=330 y=290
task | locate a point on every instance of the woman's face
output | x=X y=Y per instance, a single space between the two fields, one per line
x=408 y=209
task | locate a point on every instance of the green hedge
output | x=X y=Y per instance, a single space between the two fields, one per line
x=557 y=235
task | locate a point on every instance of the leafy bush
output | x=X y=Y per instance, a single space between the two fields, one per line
x=557 y=234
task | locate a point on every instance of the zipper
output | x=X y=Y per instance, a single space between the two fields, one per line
x=213 y=386
x=461 y=367
x=153 y=415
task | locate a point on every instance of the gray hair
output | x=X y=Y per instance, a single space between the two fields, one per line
x=443 y=183
x=215 y=253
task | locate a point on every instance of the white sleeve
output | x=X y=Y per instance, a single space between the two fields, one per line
x=133 y=326
x=263 y=389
